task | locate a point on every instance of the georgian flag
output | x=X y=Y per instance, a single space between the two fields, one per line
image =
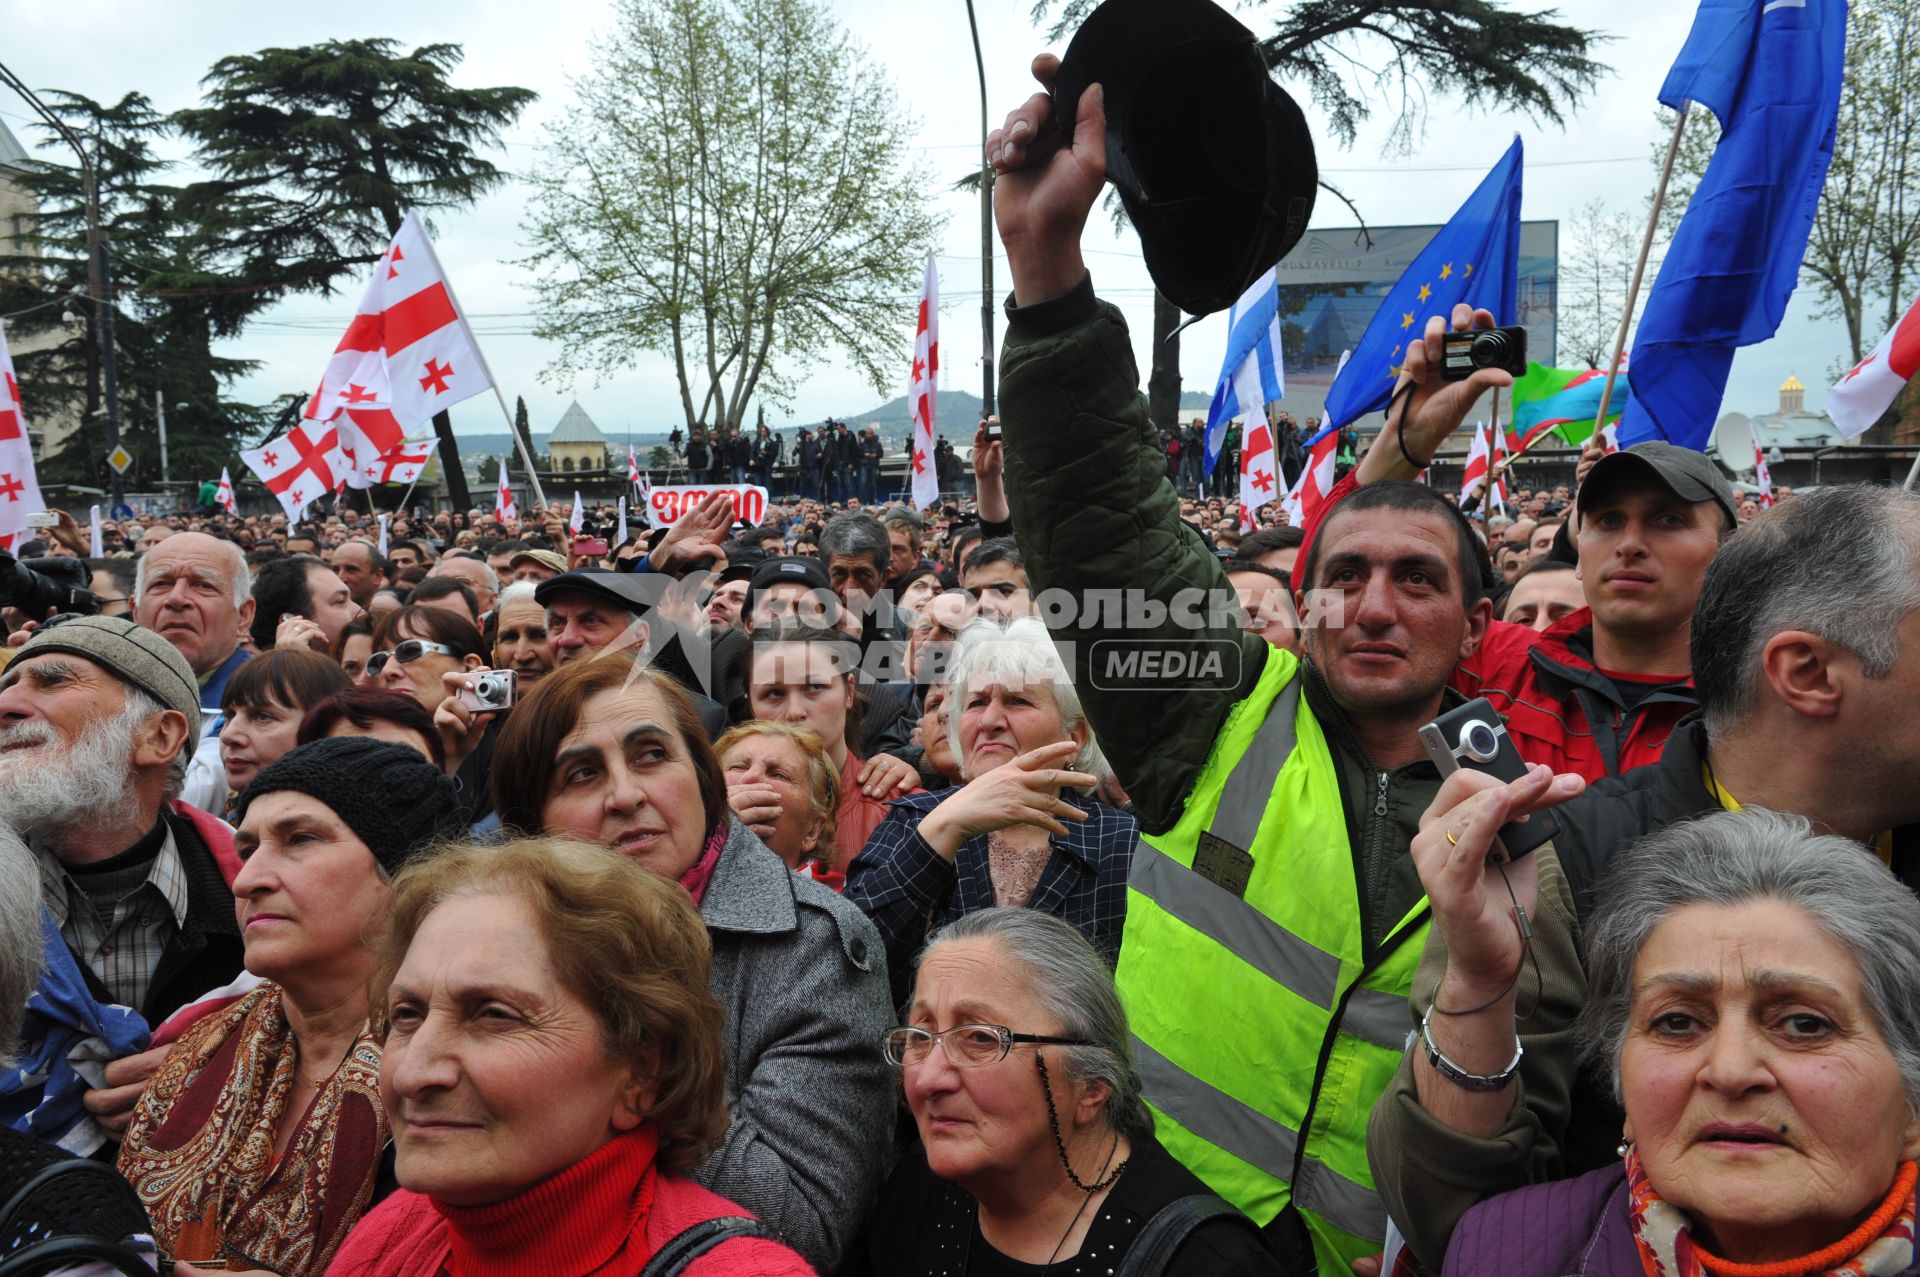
x=578 y=519
x=1762 y=477
x=402 y=465
x=19 y=489
x=298 y=467
x=1857 y=399
x=223 y=497
x=1478 y=462
x=503 y=507
x=1314 y=483
x=923 y=386
x=1259 y=472
x=407 y=355
x=633 y=467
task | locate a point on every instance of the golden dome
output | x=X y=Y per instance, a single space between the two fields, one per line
x=1792 y=383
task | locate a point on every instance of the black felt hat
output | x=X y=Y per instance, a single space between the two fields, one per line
x=1212 y=160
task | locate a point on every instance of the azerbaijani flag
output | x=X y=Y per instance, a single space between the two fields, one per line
x=1564 y=400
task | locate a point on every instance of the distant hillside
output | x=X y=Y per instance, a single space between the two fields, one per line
x=956 y=413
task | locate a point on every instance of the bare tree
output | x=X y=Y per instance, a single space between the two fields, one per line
x=730 y=189
x=1595 y=270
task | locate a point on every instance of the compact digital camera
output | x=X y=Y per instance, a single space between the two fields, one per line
x=1473 y=737
x=484 y=691
x=1463 y=354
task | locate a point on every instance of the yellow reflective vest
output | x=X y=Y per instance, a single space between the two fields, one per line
x=1264 y=1031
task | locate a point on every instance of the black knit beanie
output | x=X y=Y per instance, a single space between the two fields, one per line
x=394 y=800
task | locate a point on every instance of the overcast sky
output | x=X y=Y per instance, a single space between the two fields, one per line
x=104 y=48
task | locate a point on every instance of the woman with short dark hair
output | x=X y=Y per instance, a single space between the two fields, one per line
x=262 y=707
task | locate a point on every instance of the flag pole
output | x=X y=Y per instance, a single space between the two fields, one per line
x=1640 y=266
x=533 y=475
x=1913 y=473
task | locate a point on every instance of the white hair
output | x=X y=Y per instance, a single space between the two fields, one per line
x=70 y=787
x=241 y=580
x=1016 y=653
x=518 y=592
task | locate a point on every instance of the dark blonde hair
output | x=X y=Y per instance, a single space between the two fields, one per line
x=625 y=940
x=823 y=779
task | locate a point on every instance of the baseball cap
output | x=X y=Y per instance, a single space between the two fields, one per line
x=545 y=558
x=1689 y=475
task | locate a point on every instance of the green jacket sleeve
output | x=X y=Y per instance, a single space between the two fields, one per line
x=1117 y=573
x=1429 y=1174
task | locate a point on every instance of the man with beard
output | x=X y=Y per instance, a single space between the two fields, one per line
x=97 y=721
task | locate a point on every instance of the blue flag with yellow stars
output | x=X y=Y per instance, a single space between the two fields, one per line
x=1474 y=259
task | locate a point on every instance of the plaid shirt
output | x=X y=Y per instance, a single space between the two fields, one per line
x=910 y=890
x=122 y=951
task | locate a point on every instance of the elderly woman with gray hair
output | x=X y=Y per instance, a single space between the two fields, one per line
x=1037 y=1152
x=1755 y=998
x=1019 y=831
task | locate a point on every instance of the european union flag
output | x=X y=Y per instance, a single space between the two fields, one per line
x=1770 y=71
x=1474 y=259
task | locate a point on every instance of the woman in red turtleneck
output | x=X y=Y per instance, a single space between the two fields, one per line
x=546 y=1096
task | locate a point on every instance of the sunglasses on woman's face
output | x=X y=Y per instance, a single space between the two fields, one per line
x=406 y=653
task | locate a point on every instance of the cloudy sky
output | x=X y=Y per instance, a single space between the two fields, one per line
x=104 y=48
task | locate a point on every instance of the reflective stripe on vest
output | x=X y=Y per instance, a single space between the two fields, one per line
x=1233 y=979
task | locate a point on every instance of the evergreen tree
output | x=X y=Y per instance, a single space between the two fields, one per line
x=317 y=153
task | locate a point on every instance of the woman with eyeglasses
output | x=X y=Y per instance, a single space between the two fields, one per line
x=415 y=646
x=1037 y=1152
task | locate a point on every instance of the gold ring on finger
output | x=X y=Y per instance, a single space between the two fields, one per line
x=1451 y=840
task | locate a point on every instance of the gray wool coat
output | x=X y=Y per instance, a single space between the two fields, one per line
x=802 y=979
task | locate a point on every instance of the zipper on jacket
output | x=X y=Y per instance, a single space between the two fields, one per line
x=1380 y=796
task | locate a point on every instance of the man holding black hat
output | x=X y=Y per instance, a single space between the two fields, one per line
x=1274 y=921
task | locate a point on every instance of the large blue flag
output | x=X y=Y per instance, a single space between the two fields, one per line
x=1253 y=374
x=1474 y=259
x=1770 y=71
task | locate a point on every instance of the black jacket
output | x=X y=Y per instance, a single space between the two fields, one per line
x=846 y=449
x=699 y=455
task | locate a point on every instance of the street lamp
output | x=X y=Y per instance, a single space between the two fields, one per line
x=986 y=232
x=98 y=271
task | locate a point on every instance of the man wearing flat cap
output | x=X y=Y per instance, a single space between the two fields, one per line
x=97 y=722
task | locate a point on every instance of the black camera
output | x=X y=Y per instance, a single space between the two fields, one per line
x=1463 y=354
x=45 y=586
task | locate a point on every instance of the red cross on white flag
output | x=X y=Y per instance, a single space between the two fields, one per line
x=1314 y=483
x=1259 y=478
x=1857 y=399
x=922 y=387
x=633 y=467
x=1762 y=477
x=19 y=489
x=401 y=465
x=503 y=506
x=407 y=355
x=578 y=518
x=224 y=496
x=298 y=467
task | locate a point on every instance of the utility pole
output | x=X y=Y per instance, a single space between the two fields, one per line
x=99 y=272
x=986 y=231
x=160 y=416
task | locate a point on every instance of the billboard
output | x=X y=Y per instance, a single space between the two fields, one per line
x=1333 y=281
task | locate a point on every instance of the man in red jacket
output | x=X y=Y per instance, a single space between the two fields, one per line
x=1599 y=692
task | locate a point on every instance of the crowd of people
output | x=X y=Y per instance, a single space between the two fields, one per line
x=1052 y=881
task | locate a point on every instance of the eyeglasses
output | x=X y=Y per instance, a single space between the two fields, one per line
x=406 y=653
x=967 y=1046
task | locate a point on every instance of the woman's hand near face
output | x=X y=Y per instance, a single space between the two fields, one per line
x=1025 y=791
x=757 y=806
x=884 y=776
x=460 y=727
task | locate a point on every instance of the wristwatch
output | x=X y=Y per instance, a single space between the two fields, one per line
x=1477 y=1082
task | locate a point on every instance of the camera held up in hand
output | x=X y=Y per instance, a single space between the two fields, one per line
x=1463 y=354
x=45 y=586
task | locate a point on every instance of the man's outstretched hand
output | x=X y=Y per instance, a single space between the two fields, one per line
x=1045 y=185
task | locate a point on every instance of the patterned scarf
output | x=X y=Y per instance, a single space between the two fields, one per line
x=1880 y=1247
x=200 y=1149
